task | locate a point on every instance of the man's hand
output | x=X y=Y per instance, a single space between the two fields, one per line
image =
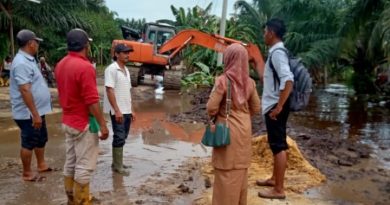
x=94 y=109
x=118 y=117
x=104 y=132
x=133 y=118
x=37 y=122
x=275 y=112
x=284 y=94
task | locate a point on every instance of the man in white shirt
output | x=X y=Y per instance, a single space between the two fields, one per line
x=117 y=103
x=278 y=84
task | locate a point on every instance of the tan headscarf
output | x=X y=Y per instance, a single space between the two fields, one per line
x=237 y=70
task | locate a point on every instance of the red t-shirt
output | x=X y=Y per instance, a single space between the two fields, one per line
x=76 y=82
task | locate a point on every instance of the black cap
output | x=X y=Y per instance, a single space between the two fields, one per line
x=77 y=39
x=123 y=48
x=26 y=35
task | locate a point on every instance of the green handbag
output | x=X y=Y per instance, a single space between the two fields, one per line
x=218 y=135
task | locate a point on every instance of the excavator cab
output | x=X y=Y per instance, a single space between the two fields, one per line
x=145 y=58
x=157 y=34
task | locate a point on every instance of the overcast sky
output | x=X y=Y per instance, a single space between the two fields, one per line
x=153 y=10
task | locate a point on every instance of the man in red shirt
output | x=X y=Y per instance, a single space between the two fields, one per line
x=79 y=99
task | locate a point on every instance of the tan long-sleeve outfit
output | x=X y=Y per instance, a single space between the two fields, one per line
x=231 y=162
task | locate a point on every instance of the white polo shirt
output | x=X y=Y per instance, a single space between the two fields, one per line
x=115 y=77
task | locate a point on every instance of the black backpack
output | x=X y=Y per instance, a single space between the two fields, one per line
x=302 y=88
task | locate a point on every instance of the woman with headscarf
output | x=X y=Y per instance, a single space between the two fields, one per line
x=231 y=162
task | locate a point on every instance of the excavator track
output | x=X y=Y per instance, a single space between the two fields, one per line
x=172 y=79
x=135 y=75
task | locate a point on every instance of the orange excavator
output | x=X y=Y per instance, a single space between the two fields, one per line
x=157 y=51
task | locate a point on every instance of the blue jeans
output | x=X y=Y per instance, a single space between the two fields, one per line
x=30 y=137
x=121 y=131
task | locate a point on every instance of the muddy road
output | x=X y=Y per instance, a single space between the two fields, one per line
x=168 y=164
x=164 y=158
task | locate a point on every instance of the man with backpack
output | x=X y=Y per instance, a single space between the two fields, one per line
x=278 y=85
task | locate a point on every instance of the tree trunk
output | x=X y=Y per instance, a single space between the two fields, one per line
x=325 y=75
x=11 y=26
x=101 y=56
x=363 y=79
x=11 y=34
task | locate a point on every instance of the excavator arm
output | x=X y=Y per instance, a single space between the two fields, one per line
x=211 y=41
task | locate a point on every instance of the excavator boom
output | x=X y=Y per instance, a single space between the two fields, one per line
x=211 y=41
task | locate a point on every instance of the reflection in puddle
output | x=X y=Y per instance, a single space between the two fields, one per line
x=155 y=150
x=337 y=109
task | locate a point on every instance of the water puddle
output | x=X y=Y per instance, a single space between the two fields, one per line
x=160 y=154
x=336 y=110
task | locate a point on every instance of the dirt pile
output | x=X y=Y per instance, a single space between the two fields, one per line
x=300 y=174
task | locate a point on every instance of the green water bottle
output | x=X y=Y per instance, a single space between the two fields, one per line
x=93 y=124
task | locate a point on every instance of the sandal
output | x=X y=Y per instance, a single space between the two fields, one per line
x=35 y=178
x=270 y=194
x=49 y=169
x=267 y=182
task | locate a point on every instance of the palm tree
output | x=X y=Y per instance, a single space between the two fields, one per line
x=312 y=27
x=366 y=36
x=196 y=17
x=332 y=33
x=254 y=16
x=25 y=14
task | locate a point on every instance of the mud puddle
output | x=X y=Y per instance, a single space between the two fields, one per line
x=164 y=157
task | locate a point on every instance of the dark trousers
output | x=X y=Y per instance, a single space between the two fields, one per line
x=121 y=131
x=30 y=137
x=276 y=129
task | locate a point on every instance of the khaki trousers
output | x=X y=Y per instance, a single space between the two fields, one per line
x=82 y=149
x=230 y=187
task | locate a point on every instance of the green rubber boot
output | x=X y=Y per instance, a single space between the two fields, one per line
x=117 y=161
